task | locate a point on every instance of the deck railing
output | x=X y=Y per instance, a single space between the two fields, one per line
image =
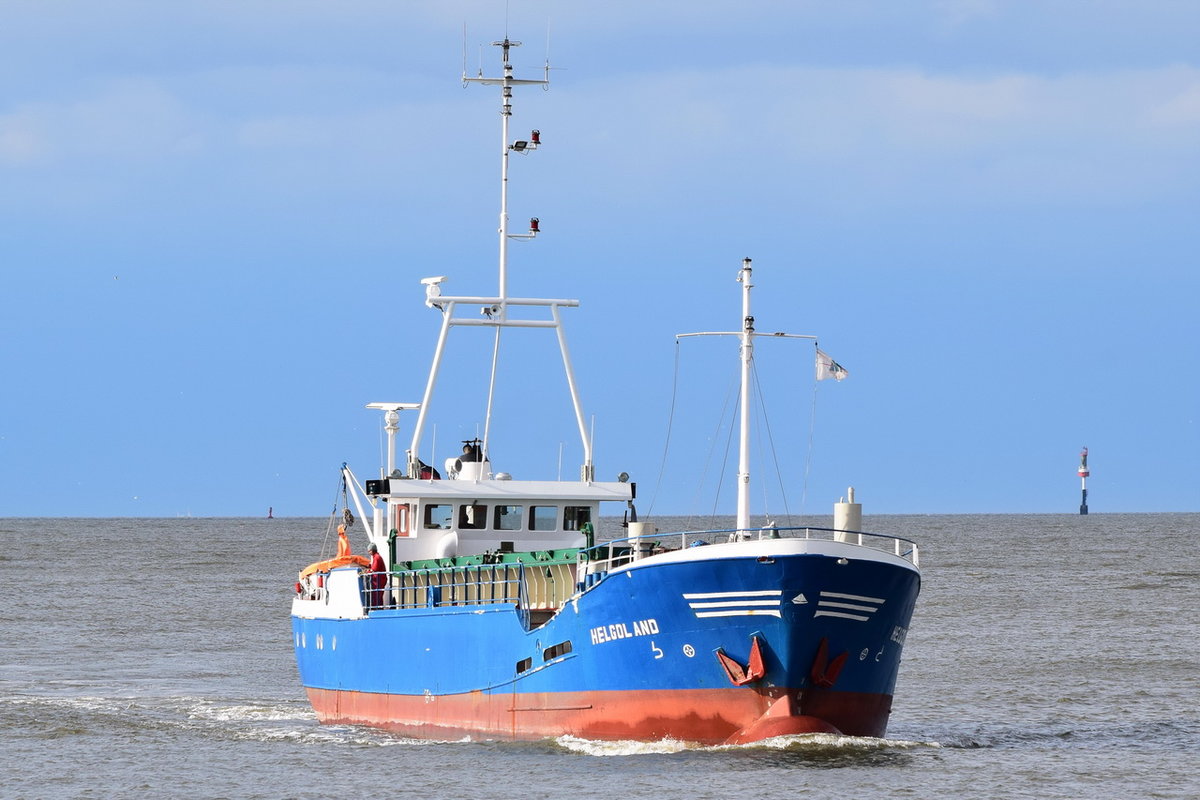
x=448 y=586
x=531 y=587
x=539 y=588
x=598 y=560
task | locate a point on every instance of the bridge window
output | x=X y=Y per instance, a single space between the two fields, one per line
x=543 y=518
x=508 y=518
x=472 y=517
x=438 y=516
x=575 y=516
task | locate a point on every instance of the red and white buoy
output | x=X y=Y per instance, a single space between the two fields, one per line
x=1083 y=476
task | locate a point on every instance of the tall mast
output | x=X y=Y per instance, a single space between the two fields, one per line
x=747 y=352
x=505 y=117
x=506 y=83
x=495 y=309
x=746 y=335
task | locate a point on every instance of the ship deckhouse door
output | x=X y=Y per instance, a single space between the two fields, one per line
x=404 y=527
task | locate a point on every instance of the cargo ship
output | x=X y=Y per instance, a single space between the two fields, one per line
x=485 y=605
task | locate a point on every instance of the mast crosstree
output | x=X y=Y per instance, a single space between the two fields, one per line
x=747 y=335
x=495 y=309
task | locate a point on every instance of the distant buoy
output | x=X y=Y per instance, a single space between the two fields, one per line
x=1083 y=476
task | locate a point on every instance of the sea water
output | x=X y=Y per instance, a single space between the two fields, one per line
x=1050 y=656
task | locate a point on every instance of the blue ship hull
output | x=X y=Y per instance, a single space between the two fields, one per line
x=652 y=650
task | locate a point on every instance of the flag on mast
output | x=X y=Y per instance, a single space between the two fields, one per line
x=828 y=368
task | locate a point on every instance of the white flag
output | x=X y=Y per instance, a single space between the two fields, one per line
x=828 y=368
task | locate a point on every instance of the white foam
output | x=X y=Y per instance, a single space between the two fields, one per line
x=828 y=741
x=623 y=747
x=800 y=742
x=76 y=703
x=246 y=712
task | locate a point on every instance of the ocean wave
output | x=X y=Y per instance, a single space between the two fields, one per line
x=244 y=711
x=833 y=741
x=812 y=743
x=623 y=747
x=1148 y=735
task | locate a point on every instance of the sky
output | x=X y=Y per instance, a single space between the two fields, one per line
x=214 y=219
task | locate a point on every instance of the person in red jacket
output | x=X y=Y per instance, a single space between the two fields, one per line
x=378 y=577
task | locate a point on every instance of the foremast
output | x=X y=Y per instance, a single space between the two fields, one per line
x=746 y=335
x=495 y=310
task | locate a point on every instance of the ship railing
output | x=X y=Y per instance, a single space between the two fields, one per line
x=437 y=588
x=534 y=588
x=597 y=561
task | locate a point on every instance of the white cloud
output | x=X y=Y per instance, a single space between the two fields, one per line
x=956 y=13
x=20 y=141
x=124 y=120
x=1178 y=107
x=886 y=136
x=847 y=136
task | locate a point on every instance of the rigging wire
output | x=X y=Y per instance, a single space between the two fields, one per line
x=759 y=420
x=812 y=426
x=724 y=463
x=787 y=510
x=766 y=423
x=487 y=426
x=662 y=467
x=730 y=394
x=333 y=511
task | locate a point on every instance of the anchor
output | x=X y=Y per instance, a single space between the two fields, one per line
x=739 y=675
x=824 y=673
x=782 y=716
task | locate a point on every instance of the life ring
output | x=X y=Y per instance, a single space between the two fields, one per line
x=334 y=563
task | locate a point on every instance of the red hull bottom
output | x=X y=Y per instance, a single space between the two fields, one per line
x=706 y=716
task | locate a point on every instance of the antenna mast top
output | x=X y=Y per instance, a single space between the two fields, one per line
x=507 y=81
x=495 y=310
